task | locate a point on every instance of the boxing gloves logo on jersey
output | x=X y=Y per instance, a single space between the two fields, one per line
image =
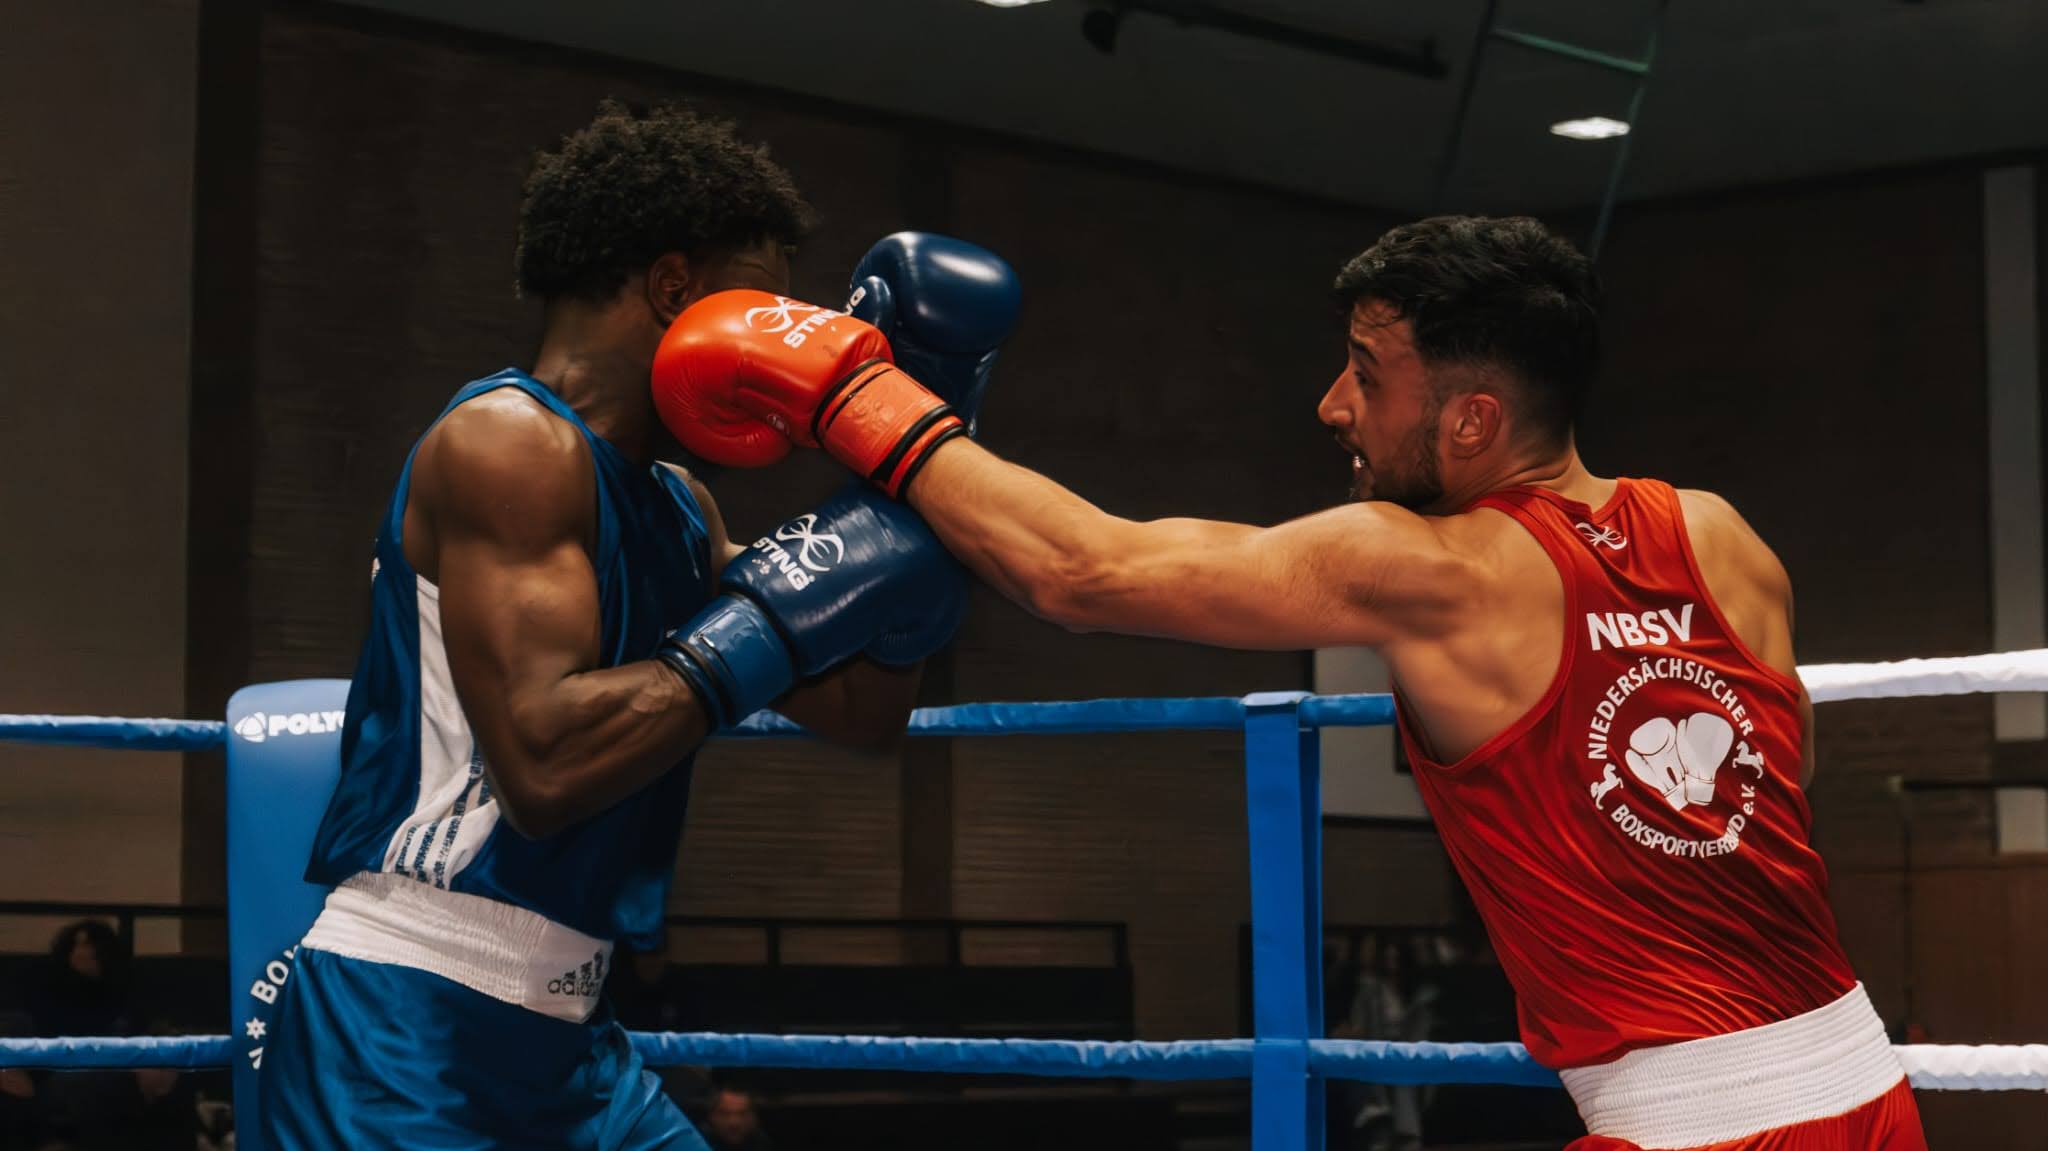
x=1680 y=760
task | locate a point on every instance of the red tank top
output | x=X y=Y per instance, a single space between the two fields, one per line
x=1637 y=843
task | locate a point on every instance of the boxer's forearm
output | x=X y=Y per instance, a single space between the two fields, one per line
x=860 y=704
x=1359 y=574
x=560 y=755
x=1023 y=534
x=1060 y=556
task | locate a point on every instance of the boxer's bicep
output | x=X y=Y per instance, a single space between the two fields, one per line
x=518 y=596
x=563 y=738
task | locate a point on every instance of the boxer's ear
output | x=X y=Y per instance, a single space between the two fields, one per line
x=1478 y=419
x=671 y=286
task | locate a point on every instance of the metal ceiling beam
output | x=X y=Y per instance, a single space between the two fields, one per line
x=1640 y=69
x=1574 y=52
x=1416 y=58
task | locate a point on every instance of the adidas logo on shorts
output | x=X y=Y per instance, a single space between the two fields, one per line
x=584 y=982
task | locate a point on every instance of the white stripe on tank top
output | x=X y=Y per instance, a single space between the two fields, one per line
x=455 y=812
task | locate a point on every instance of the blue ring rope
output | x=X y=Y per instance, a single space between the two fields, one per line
x=105 y=731
x=1183 y=1060
x=1065 y=1058
x=75 y=1053
x=1066 y=717
x=1374 y=1061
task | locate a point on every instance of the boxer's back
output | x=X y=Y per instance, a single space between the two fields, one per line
x=1468 y=685
x=1634 y=831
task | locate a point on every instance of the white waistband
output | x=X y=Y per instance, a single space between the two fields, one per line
x=505 y=952
x=1826 y=1062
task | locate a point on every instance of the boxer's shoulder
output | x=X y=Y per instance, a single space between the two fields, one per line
x=1724 y=544
x=503 y=456
x=1741 y=574
x=506 y=419
x=1493 y=543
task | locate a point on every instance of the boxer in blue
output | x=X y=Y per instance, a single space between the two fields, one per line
x=558 y=622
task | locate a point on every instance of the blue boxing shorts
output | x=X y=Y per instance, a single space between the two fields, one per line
x=367 y=1055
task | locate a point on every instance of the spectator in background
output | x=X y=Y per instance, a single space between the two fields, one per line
x=732 y=1123
x=18 y=1121
x=641 y=992
x=1340 y=983
x=20 y=1109
x=1385 y=1118
x=84 y=989
x=645 y=998
x=147 y=1109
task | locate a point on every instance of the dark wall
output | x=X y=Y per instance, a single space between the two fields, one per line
x=1813 y=353
x=96 y=119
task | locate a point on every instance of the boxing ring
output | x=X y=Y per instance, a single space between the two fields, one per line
x=283 y=740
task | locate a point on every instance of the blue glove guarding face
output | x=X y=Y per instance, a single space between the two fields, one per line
x=861 y=574
x=946 y=306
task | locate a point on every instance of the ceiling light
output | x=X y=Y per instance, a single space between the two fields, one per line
x=1010 y=3
x=1590 y=128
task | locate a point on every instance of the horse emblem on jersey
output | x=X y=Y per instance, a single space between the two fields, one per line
x=1608 y=782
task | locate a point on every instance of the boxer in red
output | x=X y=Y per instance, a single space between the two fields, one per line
x=1595 y=676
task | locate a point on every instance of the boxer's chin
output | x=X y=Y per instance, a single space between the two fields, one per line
x=1361 y=480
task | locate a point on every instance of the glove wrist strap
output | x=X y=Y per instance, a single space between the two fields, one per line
x=883 y=424
x=732 y=657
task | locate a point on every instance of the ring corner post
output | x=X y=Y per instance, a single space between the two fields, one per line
x=1283 y=812
x=283 y=758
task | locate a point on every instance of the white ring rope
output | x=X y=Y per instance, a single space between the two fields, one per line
x=1999 y=671
x=1988 y=1067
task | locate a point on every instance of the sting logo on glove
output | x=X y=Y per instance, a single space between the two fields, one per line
x=815 y=552
x=812 y=544
x=780 y=319
x=890 y=593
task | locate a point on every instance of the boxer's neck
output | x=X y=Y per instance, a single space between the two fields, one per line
x=1558 y=471
x=597 y=360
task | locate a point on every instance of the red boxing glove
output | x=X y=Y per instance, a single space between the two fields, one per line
x=742 y=375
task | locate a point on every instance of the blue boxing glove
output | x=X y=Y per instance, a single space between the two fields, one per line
x=946 y=307
x=861 y=574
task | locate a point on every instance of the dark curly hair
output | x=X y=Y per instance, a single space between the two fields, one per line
x=1481 y=290
x=633 y=186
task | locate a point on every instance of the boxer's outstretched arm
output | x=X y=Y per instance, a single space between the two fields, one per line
x=859 y=704
x=1362 y=574
x=508 y=497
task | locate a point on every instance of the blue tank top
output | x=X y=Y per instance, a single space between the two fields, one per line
x=414 y=798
